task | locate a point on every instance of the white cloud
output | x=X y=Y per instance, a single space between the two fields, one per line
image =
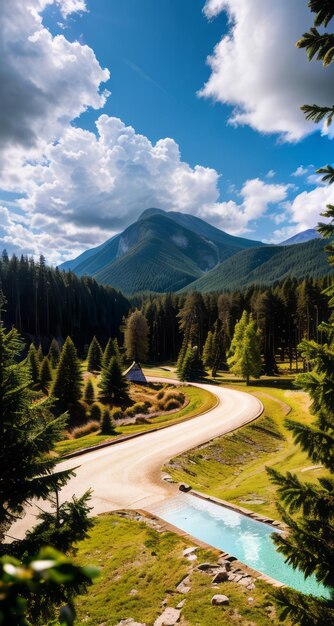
x=271 y=174
x=301 y=171
x=307 y=206
x=46 y=82
x=257 y=69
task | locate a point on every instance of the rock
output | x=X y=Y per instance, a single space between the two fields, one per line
x=129 y=622
x=250 y=600
x=204 y=567
x=180 y=605
x=220 y=577
x=188 y=551
x=223 y=561
x=184 y=487
x=245 y=581
x=184 y=585
x=133 y=592
x=191 y=557
x=220 y=600
x=170 y=617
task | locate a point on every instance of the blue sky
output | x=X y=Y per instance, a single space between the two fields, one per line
x=156 y=53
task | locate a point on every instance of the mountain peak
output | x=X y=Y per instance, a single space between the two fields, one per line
x=150 y=213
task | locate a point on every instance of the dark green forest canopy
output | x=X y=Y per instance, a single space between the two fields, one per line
x=43 y=302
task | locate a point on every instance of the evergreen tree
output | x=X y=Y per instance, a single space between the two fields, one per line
x=89 y=394
x=308 y=508
x=208 y=350
x=40 y=354
x=94 y=357
x=113 y=385
x=214 y=353
x=67 y=388
x=245 y=356
x=54 y=353
x=107 y=423
x=192 y=365
x=136 y=337
x=45 y=374
x=111 y=349
x=33 y=362
x=96 y=412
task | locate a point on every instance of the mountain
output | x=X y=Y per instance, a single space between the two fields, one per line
x=160 y=252
x=305 y=235
x=265 y=266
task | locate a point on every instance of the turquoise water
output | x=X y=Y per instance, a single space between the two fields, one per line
x=246 y=539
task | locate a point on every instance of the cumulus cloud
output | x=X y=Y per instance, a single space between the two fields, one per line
x=257 y=69
x=46 y=82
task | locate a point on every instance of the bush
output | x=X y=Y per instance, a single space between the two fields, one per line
x=96 y=412
x=107 y=423
x=171 y=400
x=171 y=405
x=117 y=413
x=138 y=407
x=80 y=431
x=160 y=394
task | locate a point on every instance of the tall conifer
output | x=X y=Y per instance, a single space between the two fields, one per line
x=113 y=385
x=67 y=388
x=94 y=357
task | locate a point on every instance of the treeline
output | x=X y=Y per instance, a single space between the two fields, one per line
x=42 y=302
x=284 y=314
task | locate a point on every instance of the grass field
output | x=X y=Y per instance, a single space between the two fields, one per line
x=233 y=466
x=140 y=568
x=199 y=401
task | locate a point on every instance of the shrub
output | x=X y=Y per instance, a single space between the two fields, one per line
x=117 y=413
x=138 y=407
x=107 y=423
x=160 y=394
x=171 y=405
x=80 y=431
x=96 y=412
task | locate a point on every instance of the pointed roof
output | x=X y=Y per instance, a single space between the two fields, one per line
x=135 y=374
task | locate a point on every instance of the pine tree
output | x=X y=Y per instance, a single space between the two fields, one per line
x=214 y=354
x=33 y=362
x=54 y=353
x=111 y=349
x=94 y=357
x=89 y=394
x=40 y=354
x=245 y=356
x=208 y=350
x=136 y=337
x=113 y=385
x=308 y=508
x=107 y=423
x=67 y=388
x=192 y=365
x=45 y=374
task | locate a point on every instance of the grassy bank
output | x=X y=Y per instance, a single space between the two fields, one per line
x=198 y=401
x=233 y=466
x=141 y=568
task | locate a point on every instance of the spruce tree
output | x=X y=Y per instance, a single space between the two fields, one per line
x=192 y=365
x=45 y=374
x=113 y=385
x=33 y=362
x=54 y=353
x=136 y=337
x=107 y=423
x=245 y=356
x=108 y=353
x=208 y=350
x=89 y=394
x=308 y=508
x=94 y=357
x=67 y=388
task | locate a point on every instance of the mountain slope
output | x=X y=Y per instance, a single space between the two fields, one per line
x=305 y=235
x=161 y=251
x=264 y=266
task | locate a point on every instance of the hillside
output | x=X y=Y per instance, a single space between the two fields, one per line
x=266 y=265
x=305 y=235
x=160 y=252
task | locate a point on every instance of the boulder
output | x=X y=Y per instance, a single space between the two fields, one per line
x=220 y=577
x=188 y=551
x=220 y=600
x=170 y=617
x=184 y=585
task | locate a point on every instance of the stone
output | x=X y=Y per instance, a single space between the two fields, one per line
x=220 y=600
x=220 y=577
x=245 y=581
x=184 y=487
x=170 y=617
x=133 y=592
x=223 y=561
x=129 y=622
x=188 y=551
x=184 y=585
x=250 y=600
x=191 y=557
x=180 y=605
x=204 y=567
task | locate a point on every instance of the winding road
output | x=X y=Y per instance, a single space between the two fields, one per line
x=128 y=474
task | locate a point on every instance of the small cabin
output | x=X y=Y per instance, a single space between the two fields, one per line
x=135 y=374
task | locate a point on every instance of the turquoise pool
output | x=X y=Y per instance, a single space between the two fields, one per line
x=241 y=536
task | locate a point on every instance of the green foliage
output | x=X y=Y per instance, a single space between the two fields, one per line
x=45 y=373
x=89 y=394
x=96 y=412
x=244 y=355
x=49 y=574
x=192 y=365
x=94 y=358
x=68 y=382
x=54 y=353
x=113 y=386
x=111 y=350
x=136 y=337
x=107 y=423
x=33 y=362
